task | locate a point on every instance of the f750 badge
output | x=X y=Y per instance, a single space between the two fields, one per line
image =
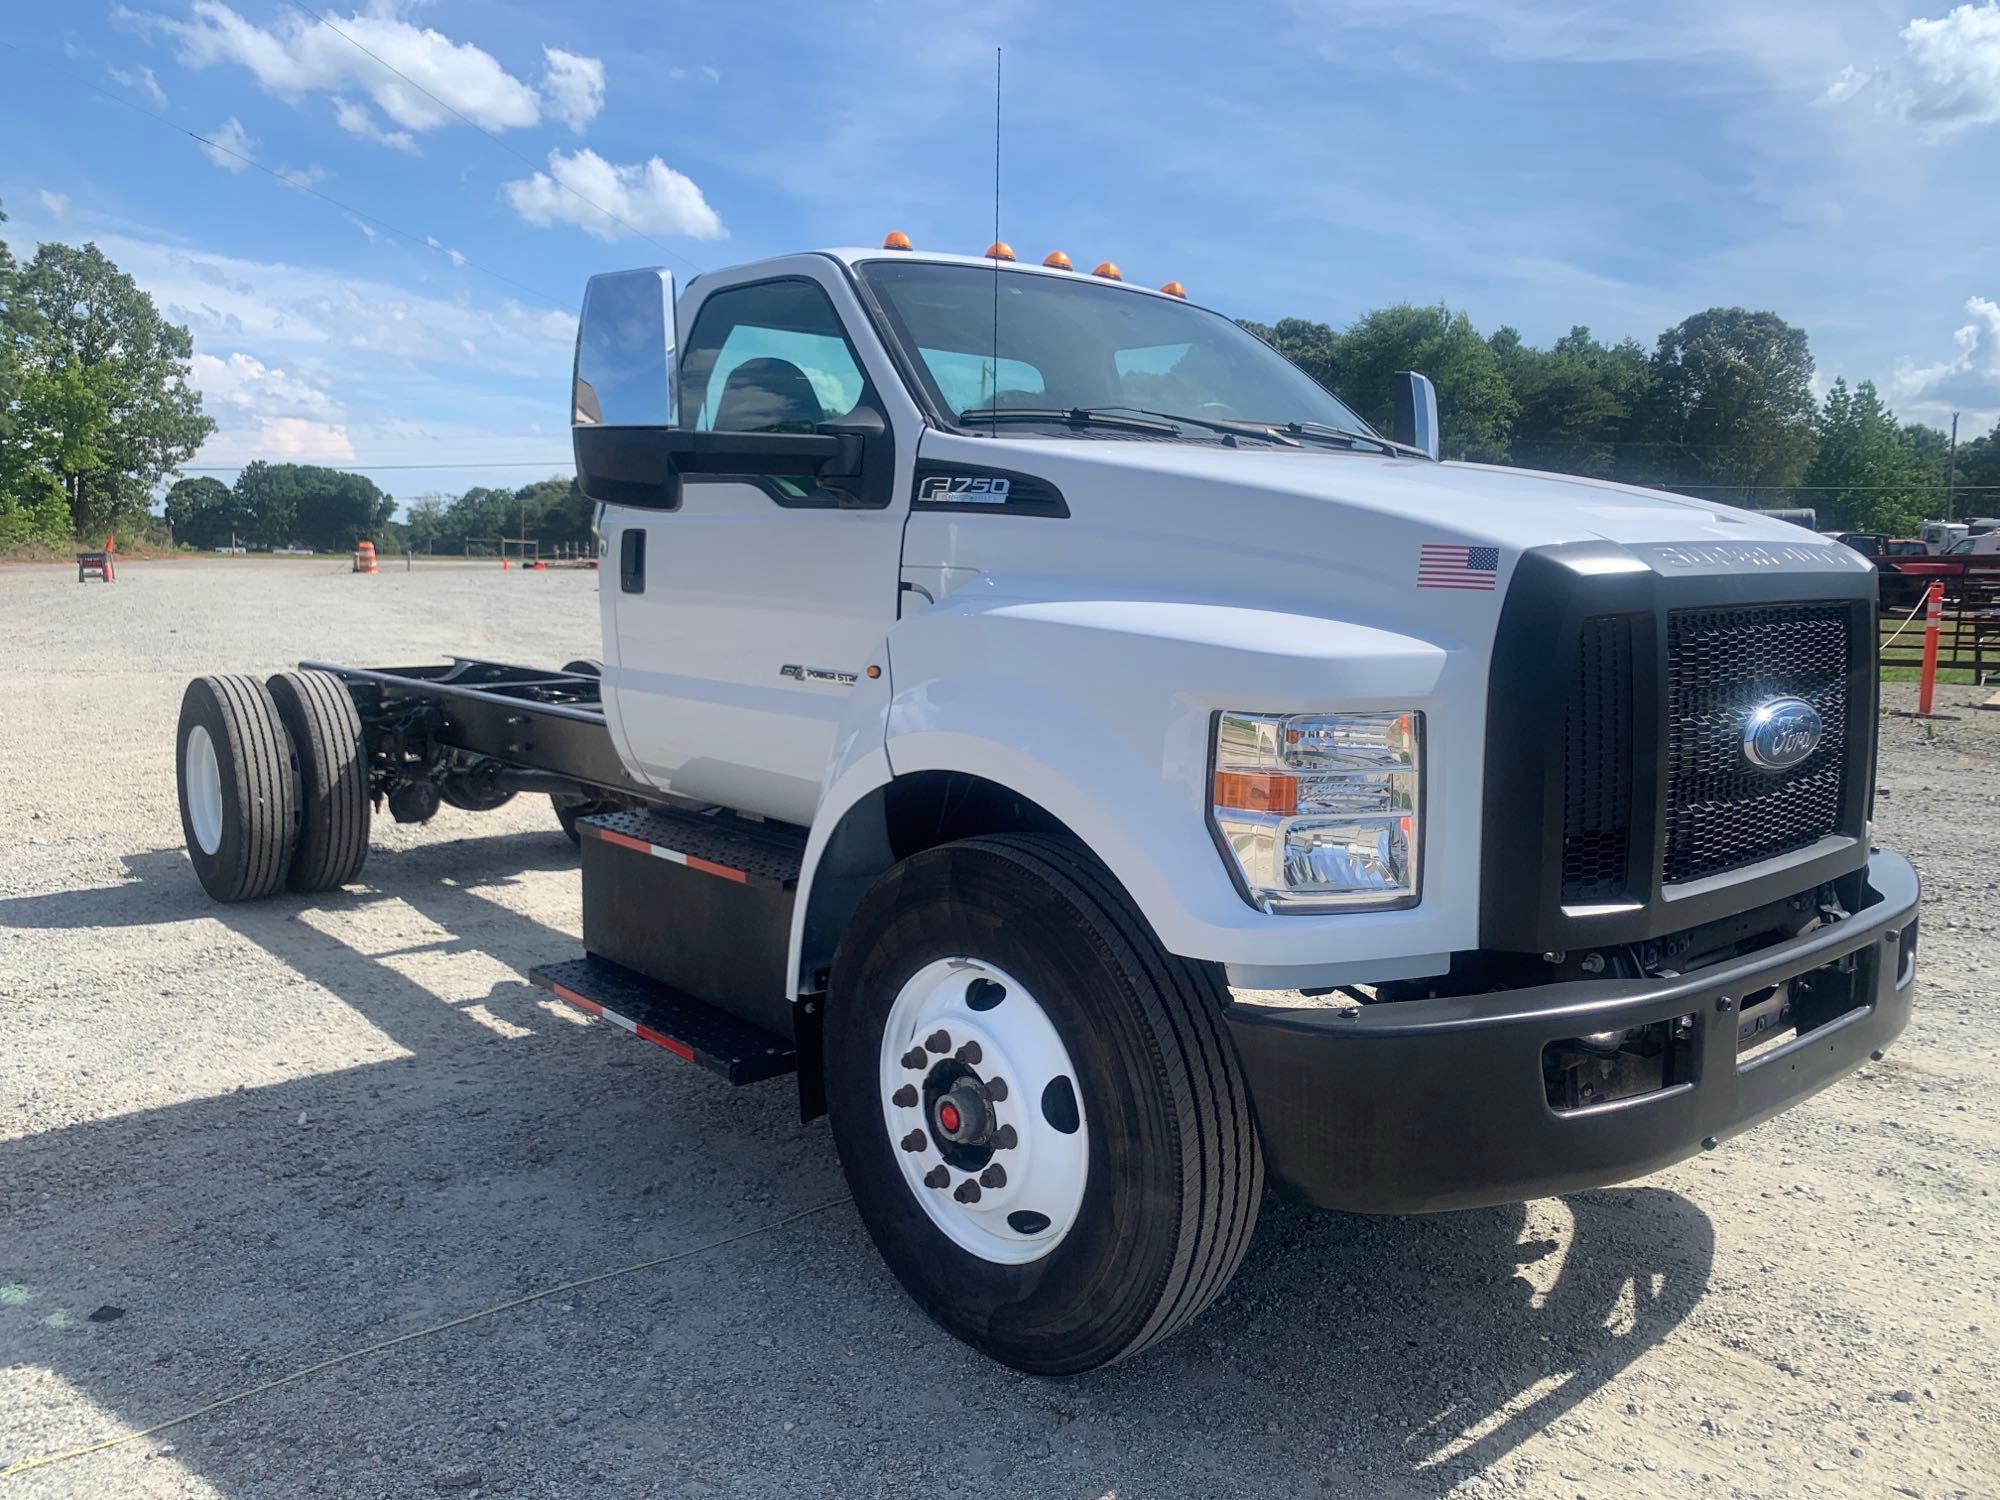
x=964 y=489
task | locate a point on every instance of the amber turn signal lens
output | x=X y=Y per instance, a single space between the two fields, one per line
x=895 y=239
x=1175 y=289
x=1245 y=792
x=999 y=250
x=1055 y=260
x=1109 y=271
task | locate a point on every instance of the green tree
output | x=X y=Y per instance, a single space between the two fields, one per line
x=308 y=505
x=1577 y=403
x=203 y=512
x=1731 y=405
x=1868 y=473
x=103 y=404
x=1977 y=492
x=1475 y=408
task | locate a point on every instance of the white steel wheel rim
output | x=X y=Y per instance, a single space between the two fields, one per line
x=957 y=1028
x=202 y=790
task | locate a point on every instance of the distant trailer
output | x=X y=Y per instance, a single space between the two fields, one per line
x=1803 y=515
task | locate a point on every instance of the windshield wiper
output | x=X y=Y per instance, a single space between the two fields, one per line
x=1073 y=416
x=1349 y=436
x=1229 y=427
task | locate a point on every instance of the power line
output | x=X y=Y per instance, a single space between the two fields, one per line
x=519 y=156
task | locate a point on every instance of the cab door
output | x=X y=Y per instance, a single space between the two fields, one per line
x=744 y=616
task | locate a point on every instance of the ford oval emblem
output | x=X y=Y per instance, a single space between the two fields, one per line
x=1781 y=733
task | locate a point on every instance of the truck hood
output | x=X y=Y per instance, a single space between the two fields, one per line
x=1481 y=503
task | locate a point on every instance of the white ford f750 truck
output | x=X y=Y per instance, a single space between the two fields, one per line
x=1109 y=773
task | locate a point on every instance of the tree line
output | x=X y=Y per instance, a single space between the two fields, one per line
x=1722 y=406
x=97 y=414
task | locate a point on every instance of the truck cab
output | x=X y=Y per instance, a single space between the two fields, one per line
x=1110 y=773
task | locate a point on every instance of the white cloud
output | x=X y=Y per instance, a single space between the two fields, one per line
x=358 y=119
x=364 y=226
x=232 y=149
x=303 y=177
x=297 y=56
x=435 y=243
x=1956 y=61
x=56 y=203
x=142 y=79
x=1848 y=82
x=573 y=87
x=705 y=70
x=262 y=412
x=649 y=197
x=1969 y=376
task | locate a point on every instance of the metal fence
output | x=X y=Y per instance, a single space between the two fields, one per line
x=1968 y=630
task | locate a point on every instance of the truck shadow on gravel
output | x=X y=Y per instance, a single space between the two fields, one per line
x=257 y=1231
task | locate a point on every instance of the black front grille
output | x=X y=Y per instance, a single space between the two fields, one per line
x=1722 y=812
x=1597 y=764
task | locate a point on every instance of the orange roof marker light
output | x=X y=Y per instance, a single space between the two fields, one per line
x=895 y=239
x=1055 y=260
x=999 y=250
x=1175 y=289
x=1109 y=271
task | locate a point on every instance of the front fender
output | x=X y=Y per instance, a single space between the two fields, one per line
x=1100 y=711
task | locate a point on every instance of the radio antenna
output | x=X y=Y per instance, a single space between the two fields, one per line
x=995 y=252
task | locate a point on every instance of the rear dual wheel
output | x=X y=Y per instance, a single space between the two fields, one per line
x=273 y=784
x=1044 y=1124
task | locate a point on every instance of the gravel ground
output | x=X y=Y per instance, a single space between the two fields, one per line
x=274 y=1134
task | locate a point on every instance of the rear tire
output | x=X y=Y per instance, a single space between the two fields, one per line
x=238 y=787
x=319 y=715
x=1174 y=1173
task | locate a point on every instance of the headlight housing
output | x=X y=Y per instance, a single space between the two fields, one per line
x=1321 y=811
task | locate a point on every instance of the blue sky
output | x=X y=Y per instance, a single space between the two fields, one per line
x=1539 y=164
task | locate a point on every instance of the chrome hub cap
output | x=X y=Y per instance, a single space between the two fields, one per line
x=982 y=1107
x=203 y=790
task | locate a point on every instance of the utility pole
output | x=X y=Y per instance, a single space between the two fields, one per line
x=1951 y=468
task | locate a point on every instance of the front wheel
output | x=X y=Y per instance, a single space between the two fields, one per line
x=1041 y=1116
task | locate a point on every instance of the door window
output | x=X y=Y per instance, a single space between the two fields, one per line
x=771 y=357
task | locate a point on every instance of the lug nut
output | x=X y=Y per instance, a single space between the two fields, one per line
x=996 y=1090
x=937 y=1177
x=915 y=1058
x=916 y=1140
x=938 y=1041
x=1006 y=1138
x=904 y=1097
x=969 y=1054
x=994 y=1176
x=968 y=1191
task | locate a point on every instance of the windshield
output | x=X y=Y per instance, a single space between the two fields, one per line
x=1066 y=343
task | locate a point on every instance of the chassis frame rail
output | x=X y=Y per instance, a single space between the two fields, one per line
x=532 y=717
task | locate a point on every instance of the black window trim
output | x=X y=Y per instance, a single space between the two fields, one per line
x=822 y=498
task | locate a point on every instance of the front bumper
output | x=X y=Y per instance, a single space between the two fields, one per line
x=1420 y=1105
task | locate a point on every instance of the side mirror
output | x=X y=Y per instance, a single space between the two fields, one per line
x=624 y=385
x=624 y=373
x=1416 y=424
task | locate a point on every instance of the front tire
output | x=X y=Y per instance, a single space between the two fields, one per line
x=238 y=787
x=1131 y=1183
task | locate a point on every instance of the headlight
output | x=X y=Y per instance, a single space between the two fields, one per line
x=1321 y=810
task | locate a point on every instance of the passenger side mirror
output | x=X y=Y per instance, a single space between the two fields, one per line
x=1416 y=423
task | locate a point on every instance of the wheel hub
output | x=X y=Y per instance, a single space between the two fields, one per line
x=968 y=1055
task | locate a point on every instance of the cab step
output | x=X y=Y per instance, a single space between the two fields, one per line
x=767 y=856
x=691 y=1029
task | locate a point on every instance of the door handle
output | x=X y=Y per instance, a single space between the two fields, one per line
x=632 y=560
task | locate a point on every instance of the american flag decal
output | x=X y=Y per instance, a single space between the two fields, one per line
x=1449 y=565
